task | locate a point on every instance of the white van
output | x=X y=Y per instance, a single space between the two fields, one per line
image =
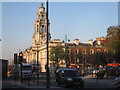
x=26 y=70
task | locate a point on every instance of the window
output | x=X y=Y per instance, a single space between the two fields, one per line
x=105 y=50
x=84 y=51
x=77 y=51
x=98 y=50
x=91 y=51
x=42 y=29
x=42 y=16
x=37 y=28
x=68 y=51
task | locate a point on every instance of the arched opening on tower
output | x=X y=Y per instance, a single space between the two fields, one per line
x=42 y=29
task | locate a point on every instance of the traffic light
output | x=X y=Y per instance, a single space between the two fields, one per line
x=20 y=57
x=15 y=58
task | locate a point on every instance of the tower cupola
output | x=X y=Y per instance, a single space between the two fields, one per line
x=40 y=27
x=41 y=8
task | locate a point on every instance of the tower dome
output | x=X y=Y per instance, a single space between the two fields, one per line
x=41 y=8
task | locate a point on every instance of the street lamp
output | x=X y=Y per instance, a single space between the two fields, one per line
x=66 y=52
x=83 y=61
x=76 y=62
x=107 y=64
x=37 y=65
x=47 y=52
x=97 y=65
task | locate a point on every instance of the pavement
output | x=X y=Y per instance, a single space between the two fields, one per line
x=99 y=83
x=17 y=84
x=94 y=76
x=90 y=82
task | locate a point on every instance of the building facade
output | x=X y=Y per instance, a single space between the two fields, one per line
x=79 y=53
x=36 y=54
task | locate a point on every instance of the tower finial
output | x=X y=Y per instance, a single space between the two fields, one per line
x=41 y=8
x=41 y=4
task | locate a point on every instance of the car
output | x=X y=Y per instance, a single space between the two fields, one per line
x=10 y=74
x=69 y=77
x=88 y=71
x=95 y=71
x=117 y=82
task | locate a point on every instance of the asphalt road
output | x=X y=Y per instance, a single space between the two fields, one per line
x=90 y=84
x=75 y=89
x=9 y=85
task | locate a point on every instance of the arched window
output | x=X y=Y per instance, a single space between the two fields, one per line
x=84 y=51
x=91 y=51
x=105 y=50
x=42 y=29
x=77 y=51
x=42 y=16
x=98 y=50
x=68 y=51
x=37 y=28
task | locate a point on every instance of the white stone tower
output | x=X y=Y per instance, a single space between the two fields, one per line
x=40 y=24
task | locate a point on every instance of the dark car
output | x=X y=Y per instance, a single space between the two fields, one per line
x=117 y=82
x=69 y=77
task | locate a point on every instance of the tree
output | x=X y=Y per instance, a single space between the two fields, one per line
x=97 y=59
x=113 y=41
x=72 y=57
x=57 y=54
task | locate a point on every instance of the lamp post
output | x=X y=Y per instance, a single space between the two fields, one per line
x=37 y=65
x=107 y=64
x=83 y=62
x=76 y=62
x=66 y=52
x=47 y=52
x=97 y=65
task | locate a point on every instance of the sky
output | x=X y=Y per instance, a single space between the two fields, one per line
x=119 y=13
x=82 y=20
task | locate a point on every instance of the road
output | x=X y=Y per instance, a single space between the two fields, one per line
x=90 y=84
x=8 y=84
x=74 y=89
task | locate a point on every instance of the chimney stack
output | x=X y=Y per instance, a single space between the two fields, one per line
x=90 y=41
x=76 y=41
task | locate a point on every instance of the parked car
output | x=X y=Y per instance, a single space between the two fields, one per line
x=100 y=74
x=117 y=82
x=88 y=71
x=10 y=74
x=114 y=71
x=69 y=77
x=95 y=71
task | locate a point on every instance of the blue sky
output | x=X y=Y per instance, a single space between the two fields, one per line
x=82 y=20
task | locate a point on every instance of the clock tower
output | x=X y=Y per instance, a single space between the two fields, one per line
x=40 y=24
